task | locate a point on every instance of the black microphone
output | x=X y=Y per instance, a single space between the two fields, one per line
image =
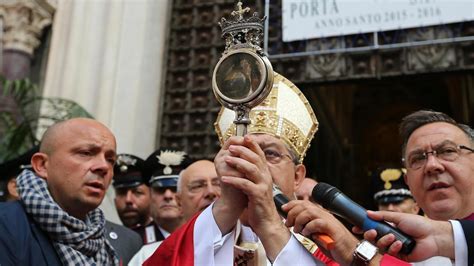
x=336 y=202
x=280 y=199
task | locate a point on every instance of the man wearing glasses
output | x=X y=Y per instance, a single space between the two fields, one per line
x=198 y=187
x=438 y=155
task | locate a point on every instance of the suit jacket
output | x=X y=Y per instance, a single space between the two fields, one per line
x=124 y=240
x=22 y=242
x=468 y=228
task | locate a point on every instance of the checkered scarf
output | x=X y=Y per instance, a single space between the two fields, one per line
x=77 y=242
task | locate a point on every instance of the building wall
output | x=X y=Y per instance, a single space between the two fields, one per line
x=108 y=57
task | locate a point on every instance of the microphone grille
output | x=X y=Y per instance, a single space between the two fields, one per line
x=324 y=194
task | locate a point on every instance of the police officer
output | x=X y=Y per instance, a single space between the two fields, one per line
x=9 y=170
x=391 y=192
x=162 y=168
x=132 y=194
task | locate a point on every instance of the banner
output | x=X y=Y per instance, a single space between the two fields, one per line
x=310 y=19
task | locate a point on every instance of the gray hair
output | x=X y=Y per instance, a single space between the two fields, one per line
x=469 y=131
x=180 y=182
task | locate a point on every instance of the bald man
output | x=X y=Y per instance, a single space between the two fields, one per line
x=198 y=187
x=71 y=173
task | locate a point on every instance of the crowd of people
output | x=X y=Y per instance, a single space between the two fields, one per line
x=176 y=211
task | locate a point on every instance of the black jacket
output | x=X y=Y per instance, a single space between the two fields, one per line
x=468 y=228
x=22 y=242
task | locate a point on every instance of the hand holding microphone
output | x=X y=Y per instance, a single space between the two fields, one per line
x=280 y=199
x=336 y=202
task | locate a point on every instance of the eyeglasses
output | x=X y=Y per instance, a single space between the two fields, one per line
x=275 y=157
x=162 y=190
x=200 y=186
x=449 y=153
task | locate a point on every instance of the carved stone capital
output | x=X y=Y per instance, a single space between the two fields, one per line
x=23 y=23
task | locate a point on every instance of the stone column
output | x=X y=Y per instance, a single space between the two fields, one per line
x=23 y=23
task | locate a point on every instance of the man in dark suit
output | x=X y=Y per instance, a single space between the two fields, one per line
x=438 y=155
x=125 y=241
x=468 y=228
x=72 y=172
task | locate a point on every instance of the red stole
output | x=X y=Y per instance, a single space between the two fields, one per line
x=469 y=218
x=177 y=249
